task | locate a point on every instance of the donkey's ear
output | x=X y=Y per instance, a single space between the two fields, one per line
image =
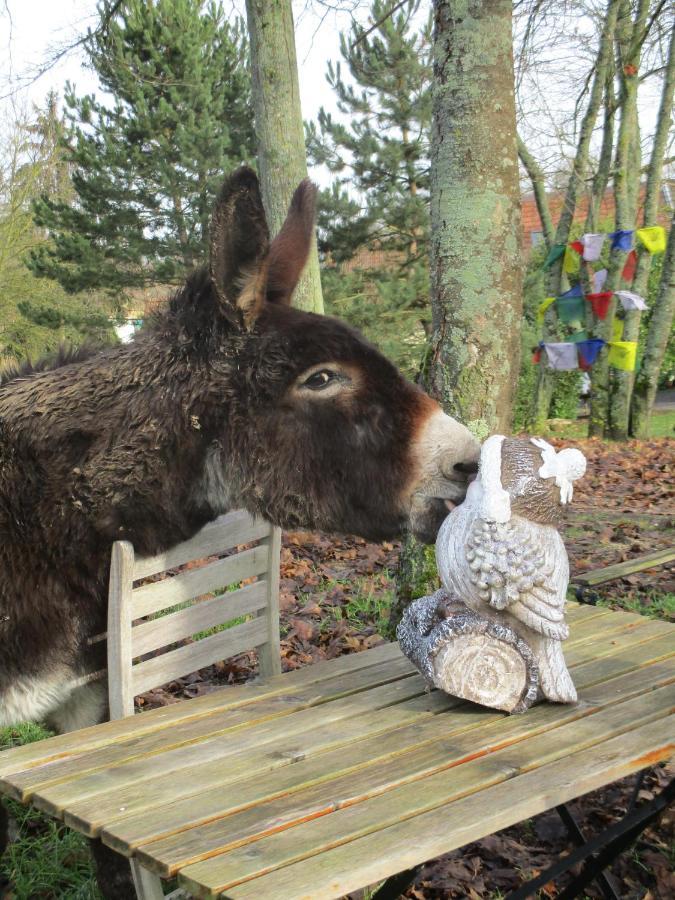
x=290 y=248
x=239 y=244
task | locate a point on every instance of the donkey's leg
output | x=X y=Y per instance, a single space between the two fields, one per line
x=88 y=705
x=113 y=873
x=4 y=841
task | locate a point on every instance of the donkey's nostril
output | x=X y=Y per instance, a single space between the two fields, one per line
x=467 y=468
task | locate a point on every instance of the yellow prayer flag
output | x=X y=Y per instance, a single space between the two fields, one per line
x=543 y=306
x=622 y=355
x=572 y=261
x=653 y=239
x=617 y=329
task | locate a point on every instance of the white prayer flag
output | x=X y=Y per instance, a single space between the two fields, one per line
x=593 y=244
x=599 y=279
x=629 y=300
x=562 y=356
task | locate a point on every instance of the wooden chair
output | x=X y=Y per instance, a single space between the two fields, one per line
x=135 y=631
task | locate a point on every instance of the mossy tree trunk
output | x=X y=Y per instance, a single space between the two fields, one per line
x=476 y=268
x=621 y=400
x=629 y=39
x=575 y=184
x=661 y=322
x=282 y=159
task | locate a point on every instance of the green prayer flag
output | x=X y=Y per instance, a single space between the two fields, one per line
x=556 y=251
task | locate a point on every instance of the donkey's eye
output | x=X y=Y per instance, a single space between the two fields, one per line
x=317 y=381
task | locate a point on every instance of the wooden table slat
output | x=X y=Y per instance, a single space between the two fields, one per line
x=421 y=777
x=241 y=696
x=227 y=723
x=408 y=843
x=492 y=729
x=118 y=768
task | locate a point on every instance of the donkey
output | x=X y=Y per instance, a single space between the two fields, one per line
x=227 y=398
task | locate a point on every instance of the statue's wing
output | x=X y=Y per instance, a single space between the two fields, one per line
x=516 y=565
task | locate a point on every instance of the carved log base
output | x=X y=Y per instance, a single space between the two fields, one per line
x=469 y=655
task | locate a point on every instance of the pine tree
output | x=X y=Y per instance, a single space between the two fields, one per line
x=36 y=315
x=147 y=164
x=383 y=152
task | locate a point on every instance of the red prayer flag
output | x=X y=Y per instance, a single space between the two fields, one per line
x=536 y=356
x=600 y=303
x=629 y=267
x=578 y=246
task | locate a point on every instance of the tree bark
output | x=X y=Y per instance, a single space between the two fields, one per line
x=475 y=258
x=621 y=412
x=625 y=194
x=278 y=118
x=575 y=184
x=476 y=270
x=657 y=338
x=536 y=177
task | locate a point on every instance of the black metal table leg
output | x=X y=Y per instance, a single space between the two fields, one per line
x=579 y=838
x=393 y=887
x=608 y=845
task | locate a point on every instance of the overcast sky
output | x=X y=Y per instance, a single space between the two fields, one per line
x=30 y=30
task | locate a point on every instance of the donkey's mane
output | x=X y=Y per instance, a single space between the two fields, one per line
x=64 y=356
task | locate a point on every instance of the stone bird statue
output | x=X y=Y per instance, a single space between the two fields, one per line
x=500 y=553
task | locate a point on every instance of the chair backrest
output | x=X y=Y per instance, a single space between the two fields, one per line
x=132 y=635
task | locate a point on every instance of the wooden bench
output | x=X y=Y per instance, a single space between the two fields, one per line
x=323 y=780
x=594 y=577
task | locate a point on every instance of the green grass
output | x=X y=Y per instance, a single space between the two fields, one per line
x=47 y=860
x=654 y=605
x=662 y=425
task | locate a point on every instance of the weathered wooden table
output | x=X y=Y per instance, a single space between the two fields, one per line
x=338 y=775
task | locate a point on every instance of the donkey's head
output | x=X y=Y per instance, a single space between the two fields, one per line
x=322 y=431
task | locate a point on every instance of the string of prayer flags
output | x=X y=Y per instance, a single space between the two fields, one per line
x=617 y=328
x=600 y=303
x=599 y=279
x=629 y=300
x=653 y=238
x=543 y=306
x=588 y=351
x=622 y=239
x=630 y=266
x=570 y=309
x=593 y=244
x=562 y=356
x=573 y=292
x=572 y=260
x=622 y=355
x=554 y=254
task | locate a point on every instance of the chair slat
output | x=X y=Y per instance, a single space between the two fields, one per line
x=151 y=598
x=200 y=617
x=195 y=656
x=225 y=532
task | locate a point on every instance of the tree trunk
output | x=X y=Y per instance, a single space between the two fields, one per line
x=476 y=269
x=657 y=338
x=544 y=389
x=536 y=176
x=475 y=256
x=622 y=412
x=278 y=118
x=624 y=198
x=622 y=389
